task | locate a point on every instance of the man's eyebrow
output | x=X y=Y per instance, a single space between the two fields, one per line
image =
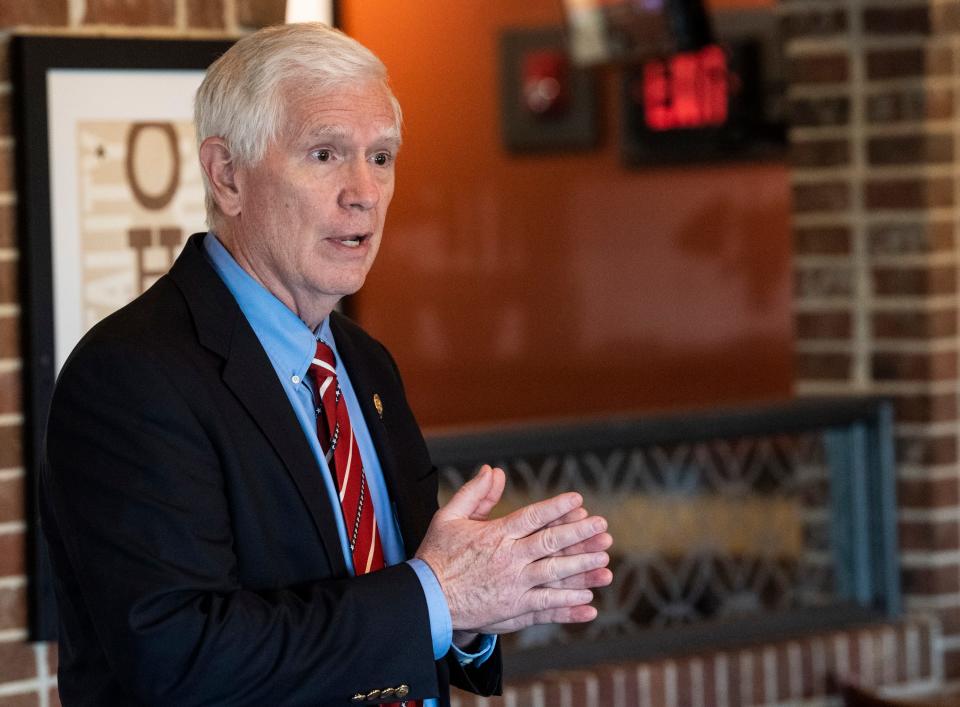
x=390 y=136
x=330 y=131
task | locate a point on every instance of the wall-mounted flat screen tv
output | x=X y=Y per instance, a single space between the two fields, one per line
x=624 y=31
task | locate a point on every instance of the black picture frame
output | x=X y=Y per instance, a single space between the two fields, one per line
x=574 y=127
x=33 y=59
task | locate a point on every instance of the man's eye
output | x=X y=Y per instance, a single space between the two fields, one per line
x=322 y=155
x=382 y=159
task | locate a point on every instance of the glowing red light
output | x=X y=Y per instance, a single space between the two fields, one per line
x=688 y=90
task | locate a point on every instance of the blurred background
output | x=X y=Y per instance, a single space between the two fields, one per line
x=505 y=272
x=697 y=261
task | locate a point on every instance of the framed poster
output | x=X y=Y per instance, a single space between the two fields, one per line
x=109 y=188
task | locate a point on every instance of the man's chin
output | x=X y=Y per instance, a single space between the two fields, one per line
x=344 y=289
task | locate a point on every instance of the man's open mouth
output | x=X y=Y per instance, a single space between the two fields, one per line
x=353 y=241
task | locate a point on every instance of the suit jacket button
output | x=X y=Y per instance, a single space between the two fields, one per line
x=373 y=694
x=402 y=691
x=359 y=697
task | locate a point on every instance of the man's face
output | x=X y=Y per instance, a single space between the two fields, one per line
x=311 y=212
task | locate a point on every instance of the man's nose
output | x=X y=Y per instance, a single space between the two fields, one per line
x=361 y=190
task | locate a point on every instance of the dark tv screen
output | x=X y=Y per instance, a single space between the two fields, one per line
x=624 y=31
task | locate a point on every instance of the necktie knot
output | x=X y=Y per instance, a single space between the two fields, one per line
x=324 y=361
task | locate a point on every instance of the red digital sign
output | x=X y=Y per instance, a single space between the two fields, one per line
x=687 y=90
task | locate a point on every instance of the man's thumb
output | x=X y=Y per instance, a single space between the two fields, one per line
x=475 y=495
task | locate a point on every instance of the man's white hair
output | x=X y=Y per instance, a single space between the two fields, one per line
x=241 y=101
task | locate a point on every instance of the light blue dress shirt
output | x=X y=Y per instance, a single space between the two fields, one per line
x=290 y=346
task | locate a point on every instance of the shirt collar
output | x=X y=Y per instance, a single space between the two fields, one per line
x=289 y=343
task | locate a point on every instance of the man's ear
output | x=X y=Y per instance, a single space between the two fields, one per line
x=219 y=166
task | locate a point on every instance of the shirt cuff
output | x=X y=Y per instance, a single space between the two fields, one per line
x=487 y=644
x=441 y=627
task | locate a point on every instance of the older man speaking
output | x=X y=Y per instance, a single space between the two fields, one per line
x=239 y=504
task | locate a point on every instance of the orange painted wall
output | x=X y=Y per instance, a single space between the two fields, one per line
x=560 y=284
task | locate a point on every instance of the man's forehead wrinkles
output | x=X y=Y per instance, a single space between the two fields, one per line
x=390 y=135
x=311 y=132
x=343 y=114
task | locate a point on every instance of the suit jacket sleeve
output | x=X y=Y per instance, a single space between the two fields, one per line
x=135 y=506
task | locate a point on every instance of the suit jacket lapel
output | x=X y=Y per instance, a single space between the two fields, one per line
x=247 y=371
x=407 y=506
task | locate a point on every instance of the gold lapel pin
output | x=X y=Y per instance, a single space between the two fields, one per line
x=378 y=405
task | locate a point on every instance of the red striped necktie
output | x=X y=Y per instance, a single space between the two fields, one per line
x=343 y=457
x=340 y=449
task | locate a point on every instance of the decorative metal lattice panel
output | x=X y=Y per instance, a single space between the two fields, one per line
x=705 y=531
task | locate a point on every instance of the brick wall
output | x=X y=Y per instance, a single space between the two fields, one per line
x=873 y=89
x=895 y=659
x=27 y=672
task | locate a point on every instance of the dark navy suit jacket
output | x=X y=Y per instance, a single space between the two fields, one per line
x=195 y=553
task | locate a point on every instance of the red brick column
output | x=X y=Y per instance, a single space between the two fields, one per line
x=873 y=90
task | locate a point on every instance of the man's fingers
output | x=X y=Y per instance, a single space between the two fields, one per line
x=553 y=569
x=599 y=542
x=551 y=541
x=532 y=518
x=590 y=579
x=566 y=615
x=563 y=615
x=544 y=599
x=537 y=605
x=571 y=517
